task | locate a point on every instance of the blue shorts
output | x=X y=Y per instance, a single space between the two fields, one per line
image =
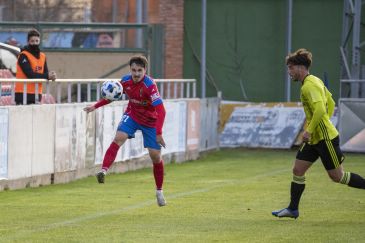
x=129 y=126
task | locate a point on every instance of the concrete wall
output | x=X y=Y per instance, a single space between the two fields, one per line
x=352 y=125
x=87 y=64
x=46 y=144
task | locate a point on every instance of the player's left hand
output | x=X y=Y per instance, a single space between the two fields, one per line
x=160 y=141
x=306 y=136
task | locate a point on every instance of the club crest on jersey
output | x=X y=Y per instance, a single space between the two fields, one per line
x=155 y=96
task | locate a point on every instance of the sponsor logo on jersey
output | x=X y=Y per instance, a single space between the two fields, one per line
x=139 y=102
x=38 y=68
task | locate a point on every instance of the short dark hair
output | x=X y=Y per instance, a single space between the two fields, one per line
x=139 y=60
x=32 y=33
x=300 y=57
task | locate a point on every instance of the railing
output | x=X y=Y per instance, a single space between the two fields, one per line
x=182 y=88
x=169 y=88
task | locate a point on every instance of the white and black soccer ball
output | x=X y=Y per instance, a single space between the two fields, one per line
x=112 y=90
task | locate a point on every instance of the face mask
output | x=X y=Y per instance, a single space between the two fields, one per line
x=34 y=47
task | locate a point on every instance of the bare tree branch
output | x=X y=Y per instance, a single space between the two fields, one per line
x=40 y=10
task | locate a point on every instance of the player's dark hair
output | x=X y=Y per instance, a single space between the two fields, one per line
x=32 y=33
x=139 y=60
x=300 y=57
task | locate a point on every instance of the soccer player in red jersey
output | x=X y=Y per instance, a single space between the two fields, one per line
x=145 y=112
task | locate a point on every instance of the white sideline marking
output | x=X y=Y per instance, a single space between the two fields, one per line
x=139 y=205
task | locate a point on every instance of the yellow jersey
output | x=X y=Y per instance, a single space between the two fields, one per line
x=318 y=108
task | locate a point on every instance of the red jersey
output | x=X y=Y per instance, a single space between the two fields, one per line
x=143 y=97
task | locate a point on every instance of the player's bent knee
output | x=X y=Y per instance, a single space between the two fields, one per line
x=155 y=155
x=298 y=172
x=120 y=138
x=335 y=174
x=155 y=159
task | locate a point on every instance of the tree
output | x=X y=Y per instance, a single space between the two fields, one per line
x=41 y=10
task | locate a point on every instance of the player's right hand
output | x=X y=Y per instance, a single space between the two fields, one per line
x=89 y=108
x=306 y=136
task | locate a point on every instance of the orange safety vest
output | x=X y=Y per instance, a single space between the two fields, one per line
x=37 y=66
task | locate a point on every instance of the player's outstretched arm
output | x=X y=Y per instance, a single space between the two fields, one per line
x=95 y=106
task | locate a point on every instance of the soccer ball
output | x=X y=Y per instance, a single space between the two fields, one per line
x=111 y=90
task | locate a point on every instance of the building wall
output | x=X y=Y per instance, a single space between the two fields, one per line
x=170 y=13
x=172 y=16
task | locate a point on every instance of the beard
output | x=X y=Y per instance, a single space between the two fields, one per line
x=294 y=78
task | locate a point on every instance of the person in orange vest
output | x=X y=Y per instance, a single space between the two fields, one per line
x=31 y=64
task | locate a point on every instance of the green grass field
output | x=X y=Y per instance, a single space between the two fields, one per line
x=227 y=196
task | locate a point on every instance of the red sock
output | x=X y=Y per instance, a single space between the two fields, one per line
x=158 y=172
x=110 y=155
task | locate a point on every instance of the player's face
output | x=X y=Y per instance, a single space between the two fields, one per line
x=294 y=72
x=34 y=40
x=137 y=72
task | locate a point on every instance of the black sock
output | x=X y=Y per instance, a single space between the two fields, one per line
x=356 y=181
x=296 y=191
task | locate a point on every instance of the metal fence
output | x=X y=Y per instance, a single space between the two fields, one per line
x=87 y=90
x=209 y=123
x=352 y=88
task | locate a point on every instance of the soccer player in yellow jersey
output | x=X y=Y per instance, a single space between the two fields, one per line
x=320 y=136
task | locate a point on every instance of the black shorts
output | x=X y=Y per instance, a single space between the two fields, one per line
x=328 y=150
x=30 y=98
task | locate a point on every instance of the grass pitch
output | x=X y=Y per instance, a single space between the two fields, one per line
x=227 y=196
